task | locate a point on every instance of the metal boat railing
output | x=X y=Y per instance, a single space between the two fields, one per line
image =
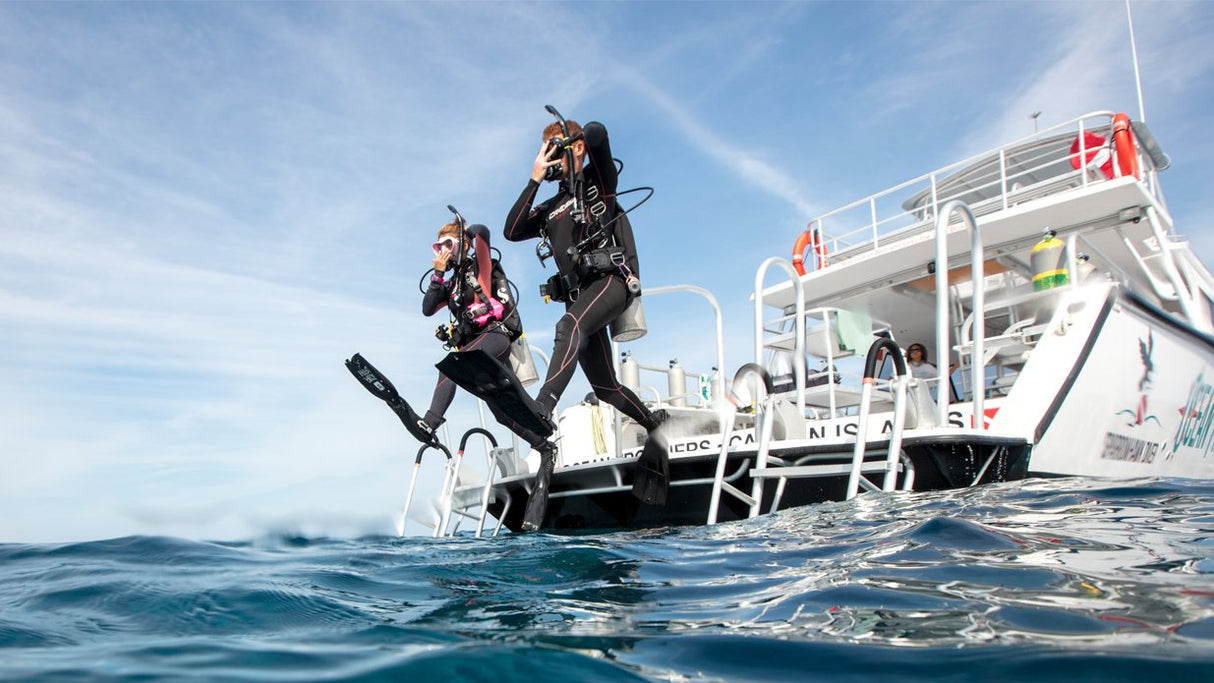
x=830 y=387
x=978 y=360
x=1033 y=166
x=766 y=466
x=417 y=464
x=717 y=320
x=715 y=379
x=894 y=448
x=762 y=401
x=948 y=211
x=798 y=359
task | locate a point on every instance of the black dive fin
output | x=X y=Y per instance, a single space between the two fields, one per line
x=372 y=379
x=537 y=502
x=487 y=378
x=651 y=474
x=381 y=388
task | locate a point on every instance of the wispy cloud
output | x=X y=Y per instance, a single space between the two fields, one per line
x=741 y=162
x=185 y=261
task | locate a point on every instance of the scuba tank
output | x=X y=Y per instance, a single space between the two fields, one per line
x=630 y=372
x=522 y=363
x=629 y=325
x=1049 y=262
x=677 y=384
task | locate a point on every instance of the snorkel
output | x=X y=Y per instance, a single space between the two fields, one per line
x=543 y=250
x=574 y=182
x=461 y=241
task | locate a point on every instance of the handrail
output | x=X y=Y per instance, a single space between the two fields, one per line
x=866 y=394
x=970 y=160
x=728 y=412
x=720 y=334
x=798 y=325
x=977 y=277
x=854 y=224
x=716 y=309
x=417 y=463
x=1183 y=295
x=463 y=443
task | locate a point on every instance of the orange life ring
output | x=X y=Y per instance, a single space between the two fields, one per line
x=1123 y=142
x=804 y=240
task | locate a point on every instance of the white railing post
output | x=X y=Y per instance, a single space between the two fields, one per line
x=895 y=437
x=798 y=324
x=872 y=210
x=720 y=328
x=978 y=361
x=1003 y=175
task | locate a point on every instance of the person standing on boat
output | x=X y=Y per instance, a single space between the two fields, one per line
x=473 y=287
x=590 y=239
x=916 y=362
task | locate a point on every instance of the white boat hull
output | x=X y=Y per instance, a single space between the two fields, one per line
x=1138 y=403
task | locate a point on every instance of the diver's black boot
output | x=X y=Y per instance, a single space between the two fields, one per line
x=537 y=504
x=651 y=474
x=543 y=409
x=430 y=423
x=418 y=427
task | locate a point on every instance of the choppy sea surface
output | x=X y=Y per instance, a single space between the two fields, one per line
x=1039 y=580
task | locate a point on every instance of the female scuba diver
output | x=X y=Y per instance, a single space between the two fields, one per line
x=483 y=314
x=475 y=290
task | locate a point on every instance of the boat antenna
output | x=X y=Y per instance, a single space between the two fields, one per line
x=1142 y=114
x=1034 y=116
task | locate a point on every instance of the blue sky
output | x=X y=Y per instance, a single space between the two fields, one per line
x=205 y=208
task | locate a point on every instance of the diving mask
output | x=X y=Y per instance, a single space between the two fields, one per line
x=447 y=243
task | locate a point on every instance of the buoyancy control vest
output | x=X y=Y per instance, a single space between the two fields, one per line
x=466 y=290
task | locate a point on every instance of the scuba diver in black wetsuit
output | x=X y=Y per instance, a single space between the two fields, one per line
x=482 y=311
x=591 y=241
x=483 y=317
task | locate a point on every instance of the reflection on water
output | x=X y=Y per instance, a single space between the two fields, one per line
x=1030 y=579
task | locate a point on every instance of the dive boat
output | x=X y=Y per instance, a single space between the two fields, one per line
x=1068 y=323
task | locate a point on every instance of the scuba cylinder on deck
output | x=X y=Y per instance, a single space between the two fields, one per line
x=1049 y=262
x=522 y=363
x=677 y=384
x=630 y=372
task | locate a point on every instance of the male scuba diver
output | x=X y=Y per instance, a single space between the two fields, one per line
x=588 y=235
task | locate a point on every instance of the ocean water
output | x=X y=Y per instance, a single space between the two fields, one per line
x=1040 y=580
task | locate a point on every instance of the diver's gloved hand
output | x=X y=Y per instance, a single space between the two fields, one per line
x=483 y=314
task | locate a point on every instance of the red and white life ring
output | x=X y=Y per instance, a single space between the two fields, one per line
x=1095 y=151
x=1123 y=142
x=805 y=240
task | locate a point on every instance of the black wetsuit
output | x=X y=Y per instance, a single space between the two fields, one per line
x=581 y=334
x=459 y=293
